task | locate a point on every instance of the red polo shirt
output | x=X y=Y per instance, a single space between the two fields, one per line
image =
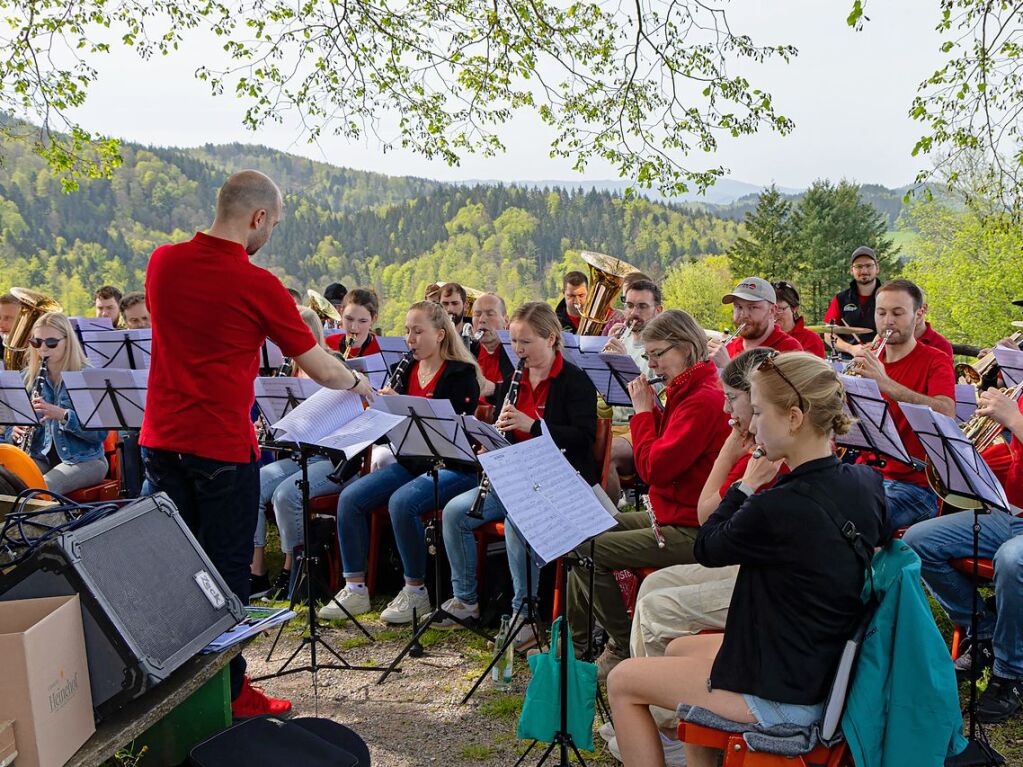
x=934 y=339
x=927 y=371
x=810 y=341
x=778 y=339
x=370 y=346
x=533 y=402
x=211 y=310
x=490 y=364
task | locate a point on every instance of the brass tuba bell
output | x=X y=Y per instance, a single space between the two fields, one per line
x=33 y=306
x=606 y=277
x=324 y=309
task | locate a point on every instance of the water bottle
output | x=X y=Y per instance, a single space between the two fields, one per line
x=501 y=673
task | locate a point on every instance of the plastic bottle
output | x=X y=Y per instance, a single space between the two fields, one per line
x=501 y=673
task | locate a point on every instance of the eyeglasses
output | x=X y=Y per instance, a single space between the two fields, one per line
x=637 y=307
x=51 y=343
x=656 y=356
x=769 y=365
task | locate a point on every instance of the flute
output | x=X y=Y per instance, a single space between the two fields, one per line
x=657 y=379
x=661 y=543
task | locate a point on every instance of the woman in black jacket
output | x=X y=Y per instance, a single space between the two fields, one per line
x=797 y=594
x=550 y=389
x=442 y=368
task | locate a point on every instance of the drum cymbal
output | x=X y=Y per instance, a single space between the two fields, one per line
x=838 y=330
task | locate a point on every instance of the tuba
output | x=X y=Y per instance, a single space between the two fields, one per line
x=606 y=277
x=33 y=306
x=324 y=309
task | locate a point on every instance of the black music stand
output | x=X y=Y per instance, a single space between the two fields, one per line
x=441 y=439
x=271 y=358
x=15 y=404
x=966 y=401
x=392 y=349
x=304 y=575
x=874 y=429
x=969 y=483
x=372 y=366
x=108 y=398
x=119 y=349
x=1010 y=361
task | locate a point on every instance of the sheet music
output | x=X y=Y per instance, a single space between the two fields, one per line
x=966 y=401
x=570 y=348
x=392 y=349
x=550 y=505
x=125 y=349
x=874 y=428
x=322 y=413
x=505 y=337
x=1011 y=363
x=443 y=433
x=373 y=366
x=108 y=398
x=85 y=324
x=361 y=432
x=274 y=392
x=955 y=460
x=15 y=404
x=591 y=344
x=270 y=356
x=484 y=433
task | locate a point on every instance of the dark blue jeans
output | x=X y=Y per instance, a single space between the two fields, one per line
x=219 y=501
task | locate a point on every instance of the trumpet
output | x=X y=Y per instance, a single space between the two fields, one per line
x=624 y=330
x=25 y=443
x=476 y=510
x=876 y=348
x=733 y=335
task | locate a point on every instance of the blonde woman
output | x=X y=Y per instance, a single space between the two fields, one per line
x=442 y=369
x=797 y=594
x=69 y=456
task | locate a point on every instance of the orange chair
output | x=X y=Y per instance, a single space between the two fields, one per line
x=985 y=573
x=486 y=412
x=22 y=466
x=738 y=754
x=110 y=488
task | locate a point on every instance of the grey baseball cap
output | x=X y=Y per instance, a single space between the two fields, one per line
x=752 y=289
x=863 y=250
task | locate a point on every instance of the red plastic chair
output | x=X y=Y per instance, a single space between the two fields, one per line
x=738 y=754
x=110 y=488
x=985 y=573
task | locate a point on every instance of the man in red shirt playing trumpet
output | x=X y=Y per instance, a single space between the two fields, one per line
x=754 y=312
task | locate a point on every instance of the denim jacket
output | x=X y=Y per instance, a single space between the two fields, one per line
x=74 y=444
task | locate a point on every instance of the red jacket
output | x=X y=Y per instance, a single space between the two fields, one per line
x=810 y=341
x=675 y=448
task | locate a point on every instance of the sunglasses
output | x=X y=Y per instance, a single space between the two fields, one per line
x=769 y=365
x=51 y=343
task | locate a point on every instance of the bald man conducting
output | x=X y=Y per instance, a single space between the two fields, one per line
x=211 y=310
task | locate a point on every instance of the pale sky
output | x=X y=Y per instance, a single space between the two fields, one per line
x=848 y=92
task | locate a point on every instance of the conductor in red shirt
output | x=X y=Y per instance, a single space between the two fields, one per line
x=211 y=311
x=754 y=310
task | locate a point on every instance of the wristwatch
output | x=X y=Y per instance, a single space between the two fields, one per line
x=743 y=488
x=357 y=381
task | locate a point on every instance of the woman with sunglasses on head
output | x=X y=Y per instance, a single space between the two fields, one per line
x=797 y=595
x=791 y=321
x=69 y=456
x=442 y=368
x=359 y=311
x=555 y=391
x=674 y=451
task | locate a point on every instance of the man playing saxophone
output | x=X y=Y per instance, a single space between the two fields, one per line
x=907 y=371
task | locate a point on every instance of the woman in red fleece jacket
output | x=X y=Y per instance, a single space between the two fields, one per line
x=674 y=452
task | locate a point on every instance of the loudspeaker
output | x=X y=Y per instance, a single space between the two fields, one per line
x=150 y=597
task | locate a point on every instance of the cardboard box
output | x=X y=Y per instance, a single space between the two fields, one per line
x=44 y=679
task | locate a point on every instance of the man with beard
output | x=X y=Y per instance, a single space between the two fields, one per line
x=10 y=307
x=574 y=289
x=753 y=307
x=642 y=303
x=452 y=298
x=490 y=315
x=854 y=306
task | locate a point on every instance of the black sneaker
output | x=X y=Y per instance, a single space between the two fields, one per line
x=279 y=589
x=964 y=663
x=1002 y=698
x=258 y=586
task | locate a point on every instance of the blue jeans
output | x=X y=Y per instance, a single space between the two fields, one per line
x=908 y=503
x=219 y=501
x=408 y=497
x=278 y=484
x=950 y=536
x=460 y=543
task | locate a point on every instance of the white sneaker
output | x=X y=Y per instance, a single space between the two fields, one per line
x=459 y=609
x=355 y=602
x=674 y=751
x=399 y=611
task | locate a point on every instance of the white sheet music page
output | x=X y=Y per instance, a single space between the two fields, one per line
x=323 y=413
x=272 y=394
x=549 y=503
x=373 y=366
x=484 y=433
x=122 y=406
x=437 y=432
x=15 y=405
x=361 y=432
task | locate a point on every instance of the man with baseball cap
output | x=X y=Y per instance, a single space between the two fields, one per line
x=854 y=306
x=753 y=308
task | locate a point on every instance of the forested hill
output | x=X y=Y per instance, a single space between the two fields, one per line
x=395 y=234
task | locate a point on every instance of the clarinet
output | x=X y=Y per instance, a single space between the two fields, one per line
x=476 y=510
x=400 y=370
x=25 y=443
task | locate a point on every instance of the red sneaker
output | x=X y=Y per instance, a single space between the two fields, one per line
x=254 y=702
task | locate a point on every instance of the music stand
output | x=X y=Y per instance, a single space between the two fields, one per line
x=433 y=432
x=392 y=349
x=968 y=482
x=1011 y=363
x=372 y=366
x=874 y=429
x=966 y=402
x=108 y=398
x=505 y=337
x=15 y=404
x=118 y=348
x=271 y=358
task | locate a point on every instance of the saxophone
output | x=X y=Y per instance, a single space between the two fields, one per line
x=25 y=443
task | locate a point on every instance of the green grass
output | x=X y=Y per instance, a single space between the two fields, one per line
x=477 y=751
x=502 y=706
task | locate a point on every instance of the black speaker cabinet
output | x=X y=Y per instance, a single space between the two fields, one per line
x=151 y=599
